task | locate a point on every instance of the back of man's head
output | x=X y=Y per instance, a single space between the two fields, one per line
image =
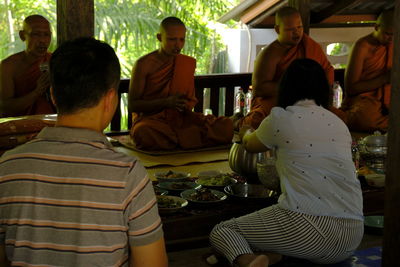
x=285 y=12
x=81 y=72
x=170 y=21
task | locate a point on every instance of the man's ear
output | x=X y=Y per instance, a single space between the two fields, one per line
x=159 y=37
x=22 y=35
x=111 y=99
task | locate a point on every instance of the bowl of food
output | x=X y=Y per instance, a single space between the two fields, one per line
x=375 y=179
x=170 y=204
x=250 y=191
x=160 y=191
x=172 y=176
x=203 y=196
x=178 y=186
x=216 y=182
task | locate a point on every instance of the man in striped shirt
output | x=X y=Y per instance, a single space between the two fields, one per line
x=67 y=198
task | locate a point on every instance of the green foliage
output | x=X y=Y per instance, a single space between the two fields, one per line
x=130 y=26
x=19 y=9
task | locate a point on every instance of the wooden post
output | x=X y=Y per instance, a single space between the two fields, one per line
x=303 y=6
x=391 y=237
x=75 y=18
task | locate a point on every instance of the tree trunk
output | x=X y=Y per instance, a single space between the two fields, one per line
x=10 y=25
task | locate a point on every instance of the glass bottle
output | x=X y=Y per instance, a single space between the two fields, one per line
x=240 y=99
x=249 y=97
x=337 y=94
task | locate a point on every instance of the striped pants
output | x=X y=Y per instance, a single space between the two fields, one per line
x=320 y=239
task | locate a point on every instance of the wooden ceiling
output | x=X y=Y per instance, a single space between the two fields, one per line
x=323 y=13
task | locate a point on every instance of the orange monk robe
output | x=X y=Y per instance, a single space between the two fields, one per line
x=26 y=83
x=170 y=128
x=307 y=48
x=369 y=111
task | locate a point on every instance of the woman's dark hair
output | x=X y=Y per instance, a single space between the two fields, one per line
x=81 y=72
x=304 y=79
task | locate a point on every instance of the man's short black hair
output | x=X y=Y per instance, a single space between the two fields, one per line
x=81 y=72
x=304 y=79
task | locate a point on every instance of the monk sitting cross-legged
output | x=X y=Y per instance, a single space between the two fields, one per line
x=367 y=78
x=24 y=78
x=162 y=96
x=272 y=61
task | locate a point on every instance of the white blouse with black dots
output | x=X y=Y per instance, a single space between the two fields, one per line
x=314 y=160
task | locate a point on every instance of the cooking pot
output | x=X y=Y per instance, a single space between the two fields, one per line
x=245 y=163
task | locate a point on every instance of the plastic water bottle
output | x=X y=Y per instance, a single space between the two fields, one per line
x=249 y=97
x=240 y=100
x=337 y=94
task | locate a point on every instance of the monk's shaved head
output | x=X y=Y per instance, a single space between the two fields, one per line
x=386 y=19
x=28 y=21
x=170 y=21
x=285 y=12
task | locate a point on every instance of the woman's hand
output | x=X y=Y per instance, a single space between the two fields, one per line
x=245 y=129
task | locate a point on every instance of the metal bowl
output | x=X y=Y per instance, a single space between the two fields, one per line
x=244 y=162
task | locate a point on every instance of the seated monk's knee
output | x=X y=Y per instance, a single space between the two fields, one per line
x=367 y=115
x=153 y=137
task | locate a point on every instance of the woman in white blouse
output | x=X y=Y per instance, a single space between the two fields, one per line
x=318 y=216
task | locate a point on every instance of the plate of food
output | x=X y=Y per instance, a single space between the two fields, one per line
x=203 y=196
x=218 y=181
x=172 y=176
x=170 y=204
x=178 y=186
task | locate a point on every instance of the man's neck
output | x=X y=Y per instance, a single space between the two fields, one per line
x=30 y=58
x=163 y=57
x=80 y=120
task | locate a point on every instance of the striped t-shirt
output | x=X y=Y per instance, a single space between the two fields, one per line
x=68 y=199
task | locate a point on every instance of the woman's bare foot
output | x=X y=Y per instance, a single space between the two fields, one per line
x=252 y=260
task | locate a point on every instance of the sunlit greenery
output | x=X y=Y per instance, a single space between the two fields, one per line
x=129 y=26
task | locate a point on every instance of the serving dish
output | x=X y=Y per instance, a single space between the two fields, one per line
x=172 y=176
x=178 y=186
x=250 y=191
x=170 y=204
x=160 y=191
x=203 y=196
x=217 y=182
x=375 y=179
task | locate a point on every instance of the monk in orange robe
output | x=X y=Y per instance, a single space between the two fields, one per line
x=162 y=96
x=367 y=78
x=272 y=61
x=24 y=77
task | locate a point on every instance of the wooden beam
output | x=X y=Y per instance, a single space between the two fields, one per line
x=303 y=6
x=335 y=8
x=267 y=14
x=391 y=236
x=257 y=9
x=75 y=18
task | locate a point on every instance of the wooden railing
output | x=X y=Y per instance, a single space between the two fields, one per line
x=213 y=81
